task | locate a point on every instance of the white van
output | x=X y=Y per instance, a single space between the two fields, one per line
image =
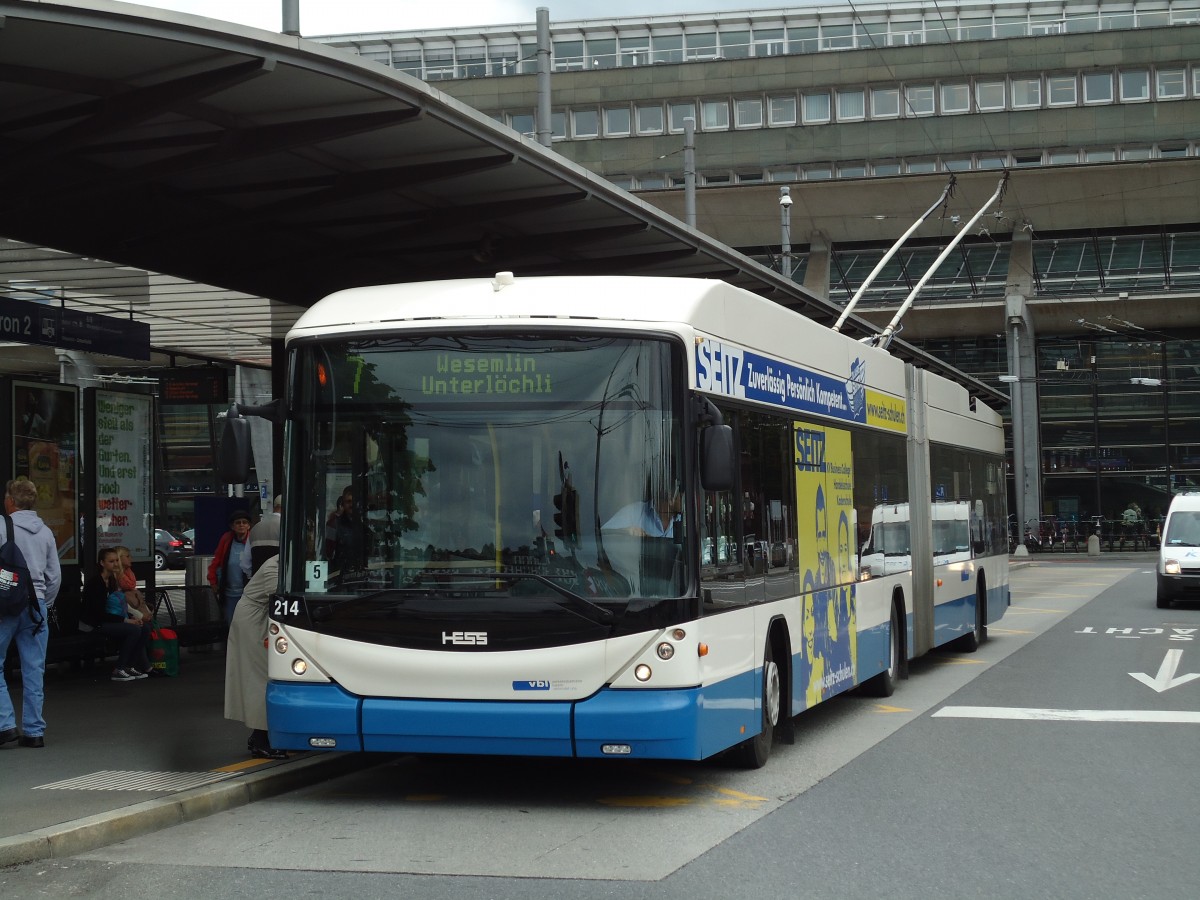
x=1179 y=551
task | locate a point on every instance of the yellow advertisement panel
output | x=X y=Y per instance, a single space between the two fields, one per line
x=885 y=411
x=825 y=532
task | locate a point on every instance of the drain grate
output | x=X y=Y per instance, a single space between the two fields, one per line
x=136 y=781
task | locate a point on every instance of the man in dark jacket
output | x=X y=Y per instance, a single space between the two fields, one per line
x=40 y=550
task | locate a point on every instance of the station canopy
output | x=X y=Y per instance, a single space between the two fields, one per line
x=258 y=172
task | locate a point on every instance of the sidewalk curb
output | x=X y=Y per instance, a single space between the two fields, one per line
x=93 y=832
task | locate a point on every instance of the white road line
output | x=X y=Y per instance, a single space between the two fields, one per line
x=1070 y=715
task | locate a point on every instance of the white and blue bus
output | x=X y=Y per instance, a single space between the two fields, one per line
x=609 y=517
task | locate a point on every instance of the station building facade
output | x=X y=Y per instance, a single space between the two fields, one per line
x=1076 y=291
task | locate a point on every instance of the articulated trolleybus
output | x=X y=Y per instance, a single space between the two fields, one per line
x=610 y=517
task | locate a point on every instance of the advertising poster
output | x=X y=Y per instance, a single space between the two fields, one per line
x=123 y=472
x=825 y=530
x=45 y=442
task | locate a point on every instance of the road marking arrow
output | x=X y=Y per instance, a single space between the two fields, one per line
x=1165 y=679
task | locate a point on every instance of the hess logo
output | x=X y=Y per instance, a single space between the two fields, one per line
x=465 y=638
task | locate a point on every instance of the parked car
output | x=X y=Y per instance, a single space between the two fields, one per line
x=171 y=551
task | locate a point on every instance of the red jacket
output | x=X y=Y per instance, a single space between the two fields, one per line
x=216 y=567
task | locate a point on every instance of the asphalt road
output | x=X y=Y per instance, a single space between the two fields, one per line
x=1058 y=761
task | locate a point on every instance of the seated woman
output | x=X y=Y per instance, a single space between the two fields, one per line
x=134 y=598
x=105 y=609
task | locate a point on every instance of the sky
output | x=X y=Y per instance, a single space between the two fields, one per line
x=319 y=17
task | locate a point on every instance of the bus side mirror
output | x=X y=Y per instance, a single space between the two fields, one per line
x=233 y=453
x=716 y=458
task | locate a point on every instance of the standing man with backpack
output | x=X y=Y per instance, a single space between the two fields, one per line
x=40 y=551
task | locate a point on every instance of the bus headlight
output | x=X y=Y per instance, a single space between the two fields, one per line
x=665 y=650
x=642 y=672
x=299 y=666
x=281 y=644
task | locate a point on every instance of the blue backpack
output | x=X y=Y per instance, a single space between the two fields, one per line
x=17 y=593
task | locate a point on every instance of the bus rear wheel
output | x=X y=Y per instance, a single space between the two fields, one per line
x=754 y=752
x=972 y=640
x=884 y=684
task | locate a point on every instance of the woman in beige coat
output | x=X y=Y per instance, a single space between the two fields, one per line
x=246 y=661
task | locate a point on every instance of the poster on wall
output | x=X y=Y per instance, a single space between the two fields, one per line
x=45 y=434
x=124 y=498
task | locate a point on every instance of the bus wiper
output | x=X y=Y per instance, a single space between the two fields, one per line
x=575 y=602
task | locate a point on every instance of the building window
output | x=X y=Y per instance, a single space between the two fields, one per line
x=1061 y=90
x=783 y=175
x=650 y=119
x=750 y=177
x=1026 y=93
x=1196 y=81
x=1027 y=158
x=956 y=98
x=522 y=122
x=957 y=164
x=991 y=162
x=852 y=170
x=782 y=110
x=989 y=95
x=568 y=56
x=668 y=48
x=768 y=41
x=652 y=182
x=585 y=123
x=891 y=167
x=558 y=125
x=616 y=121
x=502 y=60
x=816 y=109
x=1097 y=87
x=921 y=166
x=837 y=37
x=716 y=115
x=819 y=172
x=1170 y=84
x=734 y=44
x=1135 y=153
x=748 y=112
x=851 y=105
x=1135 y=85
x=602 y=53
x=702 y=46
x=472 y=62
x=918 y=99
x=634 y=50
x=716 y=179
x=408 y=61
x=1172 y=151
x=885 y=103
x=677 y=112
x=1063 y=157
x=1100 y=156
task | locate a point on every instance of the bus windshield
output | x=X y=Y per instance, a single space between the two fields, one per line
x=491 y=466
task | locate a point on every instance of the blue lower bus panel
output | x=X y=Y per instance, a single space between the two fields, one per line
x=299 y=714
x=670 y=724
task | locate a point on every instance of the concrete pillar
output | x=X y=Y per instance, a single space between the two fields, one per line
x=816 y=275
x=1022 y=365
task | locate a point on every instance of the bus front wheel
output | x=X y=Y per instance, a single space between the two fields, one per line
x=754 y=752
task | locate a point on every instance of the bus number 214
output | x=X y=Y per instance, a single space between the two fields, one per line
x=284 y=608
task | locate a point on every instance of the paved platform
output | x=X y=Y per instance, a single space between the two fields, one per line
x=126 y=758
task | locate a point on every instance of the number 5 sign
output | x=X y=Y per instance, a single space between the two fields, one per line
x=316 y=571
